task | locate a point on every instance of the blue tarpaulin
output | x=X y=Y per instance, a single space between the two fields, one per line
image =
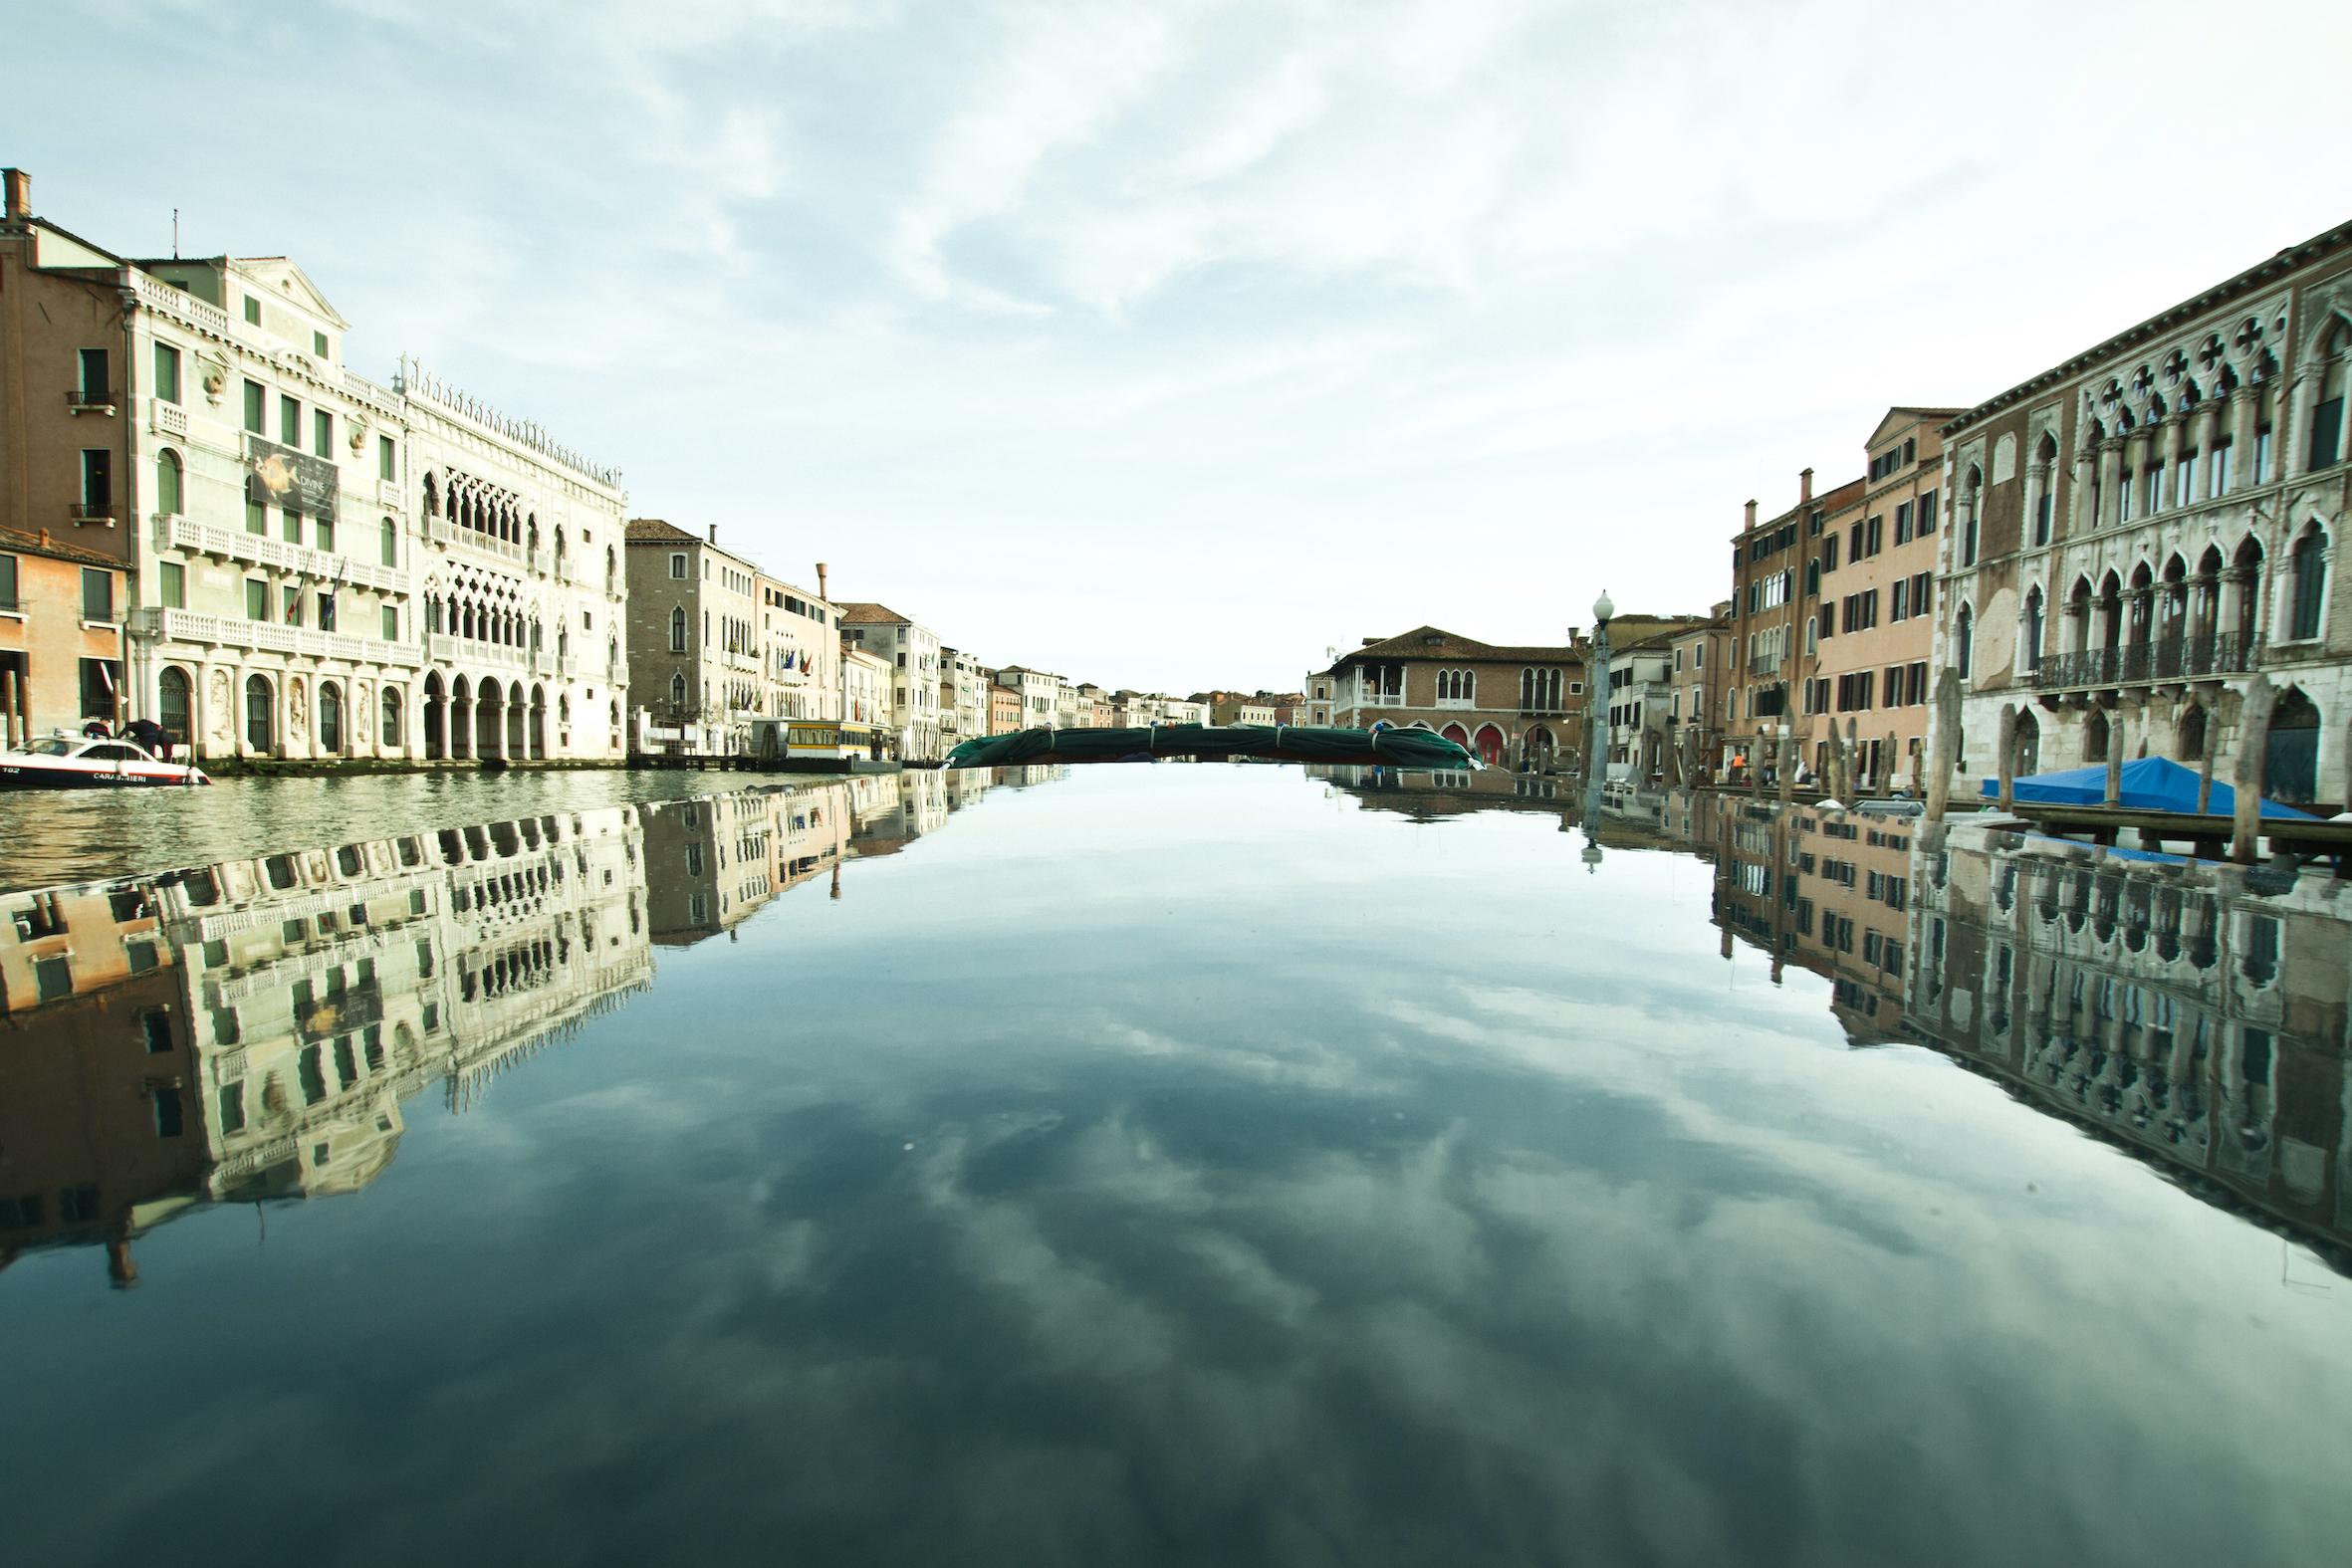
x=2150 y=783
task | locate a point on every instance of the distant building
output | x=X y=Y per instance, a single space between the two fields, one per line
x=911 y=650
x=865 y=686
x=1693 y=708
x=799 y=651
x=1039 y=692
x=1004 y=709
x=1515 y=705
x=694 y=631
x=963 y=696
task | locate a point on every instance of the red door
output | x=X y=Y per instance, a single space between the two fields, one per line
x=1490 y=744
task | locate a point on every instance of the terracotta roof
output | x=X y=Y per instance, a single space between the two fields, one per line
x=1432 y=643
x=653 y=531
x=54 y=548
x=864 y=612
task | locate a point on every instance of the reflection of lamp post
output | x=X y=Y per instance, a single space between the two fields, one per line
x=1595 y=750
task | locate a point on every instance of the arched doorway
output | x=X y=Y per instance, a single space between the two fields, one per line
x=1459 y=736
x=539 y=744
x=489 y=717
x=330 y=718
x=2188 y=735
x=2290 y=771
x=1537 y=748
x=2028 y=745
x=461 y=718
x=261 y=719
x=515 y=716
x=436 y=717
x=173 y=695
x=394 y=738
x=2094 y=737
x=1489 y=744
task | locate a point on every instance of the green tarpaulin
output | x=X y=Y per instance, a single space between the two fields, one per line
x=1281 y=743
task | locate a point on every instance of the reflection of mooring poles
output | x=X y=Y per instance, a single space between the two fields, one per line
x=2253 y=747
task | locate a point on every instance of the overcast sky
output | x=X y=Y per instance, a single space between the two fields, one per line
x=1165 y=344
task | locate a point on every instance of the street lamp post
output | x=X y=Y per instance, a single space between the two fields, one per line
x=1596 y=697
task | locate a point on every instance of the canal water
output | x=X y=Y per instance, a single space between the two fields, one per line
x=1177 y=1164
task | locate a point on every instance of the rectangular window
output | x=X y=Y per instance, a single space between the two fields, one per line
x=98 y=684
x=2185 y=478
x=678 y=564
x=386 y=456
x=290 y=526
x=2155 y=486
x=256 y=399
x=1854 y=549
x=167 y=372
x=253 y=309
x=98 y=479
x=257 y=517
x=2262 y=454
x=391 y=623
x=98 y=594
x=321 y=432
x=1903 y=524
x=94 y=375
x=2042 y=504
x=289 y=422
x=2216 y=477
x=324 y=529
x=1829 y=553
x=1877 y=535
x=319 y=343
x=1899 y=605
x=2125 y=499
x=171 y=581
x=8 y=598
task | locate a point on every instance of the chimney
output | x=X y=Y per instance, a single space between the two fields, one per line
x=20 y=192
x=1804 y=486
x=714 y=533
x=1752 y=514
x=821 y=593
x=1572 y=636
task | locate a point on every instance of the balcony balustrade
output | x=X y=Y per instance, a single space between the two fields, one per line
x=2166 y=659
x=173 y=531
x=177 y=625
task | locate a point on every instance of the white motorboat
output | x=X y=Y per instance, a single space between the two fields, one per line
x=85 y=762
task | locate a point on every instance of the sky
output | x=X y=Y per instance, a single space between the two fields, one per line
x=1170 y=345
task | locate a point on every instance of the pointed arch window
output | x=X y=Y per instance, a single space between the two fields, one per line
x=677 y=628
x=2310 y=570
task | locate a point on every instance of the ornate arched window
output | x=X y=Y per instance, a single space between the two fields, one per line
x=260 y=718
x=677 y=691
x=677 y=628
x=393 y=737
x=2308 y=570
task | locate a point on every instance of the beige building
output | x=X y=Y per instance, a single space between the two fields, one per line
x=1694 y=708
x=1875 y=565
x=963 y=697
x=693 y=627
x=799 y=650
x=865 y=686
x=1517 y=706
x=1039 y=691
x=911 y=650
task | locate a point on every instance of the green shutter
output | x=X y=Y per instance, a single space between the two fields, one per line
x=257 y=599
x=167 y=372
x=254 y=399
x=174 y=583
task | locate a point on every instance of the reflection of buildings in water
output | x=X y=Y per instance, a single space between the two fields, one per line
x=267 y=1017
x=2195 y=1014
x=717 y=859
x=1827 y=892
x=1433 y=794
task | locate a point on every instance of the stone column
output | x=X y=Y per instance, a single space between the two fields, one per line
x=2006 y=740
x=1943 y=736
x=1788 y=763
x=2115 y=758
x=2246 y=779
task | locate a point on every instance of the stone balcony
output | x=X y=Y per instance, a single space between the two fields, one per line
x=187 y=627
x=173 y=531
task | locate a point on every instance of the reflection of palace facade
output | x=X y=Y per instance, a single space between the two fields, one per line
x=252 y=1031
x=2195 y=1014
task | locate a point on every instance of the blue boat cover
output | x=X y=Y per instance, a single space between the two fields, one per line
x=2150 y=783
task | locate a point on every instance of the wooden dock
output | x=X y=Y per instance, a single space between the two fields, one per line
x=2205 y=836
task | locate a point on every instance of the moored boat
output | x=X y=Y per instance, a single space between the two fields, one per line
x=77 y=762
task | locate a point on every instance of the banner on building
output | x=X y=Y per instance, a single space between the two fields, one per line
x=279 y=476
